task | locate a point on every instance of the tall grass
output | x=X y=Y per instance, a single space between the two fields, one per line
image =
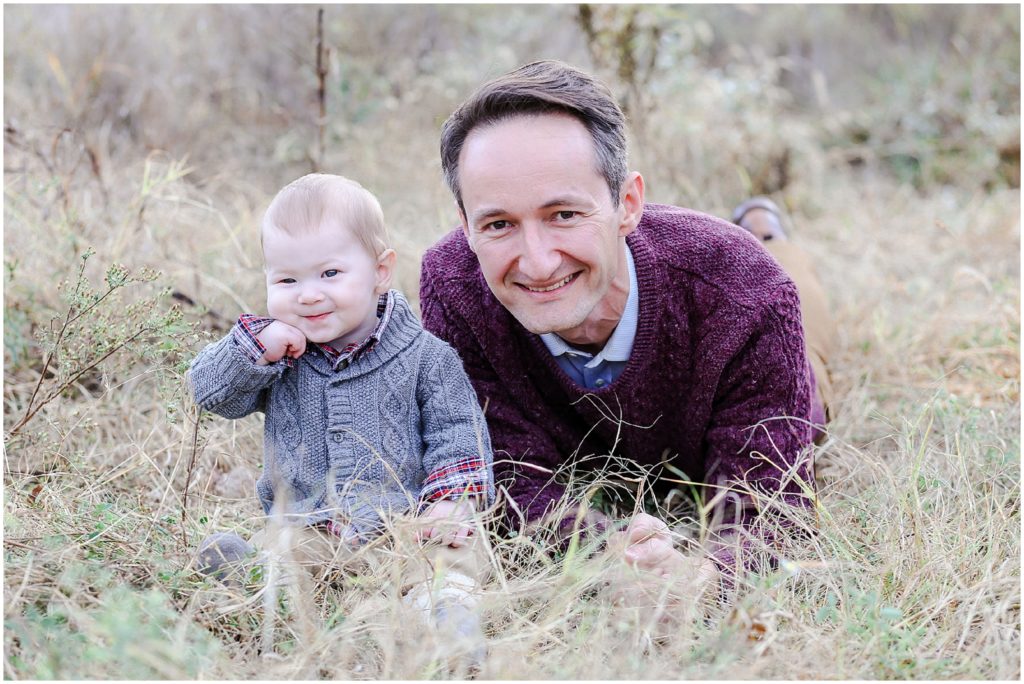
x=153 y=136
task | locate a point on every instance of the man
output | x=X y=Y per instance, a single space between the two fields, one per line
x=591 y=323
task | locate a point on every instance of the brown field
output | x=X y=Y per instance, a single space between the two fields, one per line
x=142 y=143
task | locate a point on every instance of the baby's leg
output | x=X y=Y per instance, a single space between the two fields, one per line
x=321 y=555
x=442 y=584
x=433 y=570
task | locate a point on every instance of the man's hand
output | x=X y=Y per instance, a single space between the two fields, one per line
x=449 y=521
x=281 y=340
x=646 y=544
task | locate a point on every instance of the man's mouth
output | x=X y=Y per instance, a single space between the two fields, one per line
x=554 y=286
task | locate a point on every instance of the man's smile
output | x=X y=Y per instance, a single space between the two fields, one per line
x=550 y=288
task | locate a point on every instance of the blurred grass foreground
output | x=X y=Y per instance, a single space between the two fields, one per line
x=141 y=144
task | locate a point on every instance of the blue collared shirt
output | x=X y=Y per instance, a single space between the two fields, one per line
x=595 y=371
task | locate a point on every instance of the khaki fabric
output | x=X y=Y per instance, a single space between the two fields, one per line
x=424 y=567
x=819 y=326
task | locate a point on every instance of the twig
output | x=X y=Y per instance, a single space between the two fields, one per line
x=321 y=75
x=73 y=379
x=188 y=475
x=50 y=354
x=68 y=320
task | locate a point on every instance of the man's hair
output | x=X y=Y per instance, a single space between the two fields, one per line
x=305 y=204
x=543 y=87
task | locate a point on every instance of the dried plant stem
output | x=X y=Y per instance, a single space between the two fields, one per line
x=56 y=392
x=188 y=474
x=49 y=356
x=321 y=75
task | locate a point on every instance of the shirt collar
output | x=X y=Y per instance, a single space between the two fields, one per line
x=620 y=344
x=353 y=350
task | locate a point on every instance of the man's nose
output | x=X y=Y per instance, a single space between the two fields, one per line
x=538 y=258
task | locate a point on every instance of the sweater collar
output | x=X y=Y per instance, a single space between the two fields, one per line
x=620 y=344
x=396 y=331
x=651 y=294
x=344 y=357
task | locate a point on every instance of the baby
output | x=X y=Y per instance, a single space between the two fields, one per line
x=368 y=416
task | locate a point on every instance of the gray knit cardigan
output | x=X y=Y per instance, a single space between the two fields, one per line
x=352 y=445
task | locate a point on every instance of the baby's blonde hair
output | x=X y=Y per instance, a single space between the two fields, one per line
x=302 y=207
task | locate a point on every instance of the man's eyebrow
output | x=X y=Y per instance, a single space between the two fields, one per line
x=564 y=200
x=486 y=214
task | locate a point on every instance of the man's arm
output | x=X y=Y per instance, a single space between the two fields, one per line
x=457 y=457
x=757 y=456
x=757 y=446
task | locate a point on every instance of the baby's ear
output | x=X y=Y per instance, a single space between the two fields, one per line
x=385 y=270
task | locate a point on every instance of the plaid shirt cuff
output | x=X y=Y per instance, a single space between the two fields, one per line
x=467 y=477
x=244 y=333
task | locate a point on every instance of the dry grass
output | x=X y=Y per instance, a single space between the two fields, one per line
x=156 y=135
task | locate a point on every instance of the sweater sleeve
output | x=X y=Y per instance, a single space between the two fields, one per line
x=225 y=380
x=458 y=458
x=757 y=445
x=525 y=455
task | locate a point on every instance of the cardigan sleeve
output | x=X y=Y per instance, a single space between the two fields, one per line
x=224 y=378
x=457 y=458
x=525 y=456
x=758 y=457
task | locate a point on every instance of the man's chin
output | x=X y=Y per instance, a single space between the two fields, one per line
x=542 y=325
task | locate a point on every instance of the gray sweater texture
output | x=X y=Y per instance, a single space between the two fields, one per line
x=352 y=445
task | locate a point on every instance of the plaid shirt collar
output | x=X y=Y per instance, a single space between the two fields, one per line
x=353 y=350
x=249 y=326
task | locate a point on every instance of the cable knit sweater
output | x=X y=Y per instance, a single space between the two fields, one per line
x=347 y=445
x=717 y=363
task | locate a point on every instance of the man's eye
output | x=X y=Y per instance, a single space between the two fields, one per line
x=330 y=273
x=498 y=225
x=565 y=214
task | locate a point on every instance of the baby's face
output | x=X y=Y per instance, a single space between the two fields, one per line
x=323 y=283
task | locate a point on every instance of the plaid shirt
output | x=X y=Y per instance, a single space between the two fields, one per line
x=249 y=326
x=467 y=477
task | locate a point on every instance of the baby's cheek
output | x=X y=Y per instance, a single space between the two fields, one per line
x=275 y=307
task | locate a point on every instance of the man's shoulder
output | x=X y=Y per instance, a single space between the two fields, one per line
x=450 y=258
x=712 y=251
x=452 y=286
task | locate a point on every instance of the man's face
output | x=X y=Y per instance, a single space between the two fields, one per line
x=542 y=222
x=324 y=283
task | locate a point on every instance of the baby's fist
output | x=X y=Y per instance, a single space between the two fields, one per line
x=281 y=340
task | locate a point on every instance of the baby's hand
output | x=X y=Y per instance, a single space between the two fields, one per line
x=281 y=340
x=449 y=521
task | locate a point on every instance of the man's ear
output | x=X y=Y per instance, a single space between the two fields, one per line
x=631 y=203
x=385 y=270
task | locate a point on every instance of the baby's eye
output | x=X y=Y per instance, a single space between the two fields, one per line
x=330 y=273
x=287 y=281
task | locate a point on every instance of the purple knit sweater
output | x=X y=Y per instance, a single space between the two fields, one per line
x=719 y=349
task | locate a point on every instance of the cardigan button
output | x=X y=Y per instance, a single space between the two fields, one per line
x=338 y=437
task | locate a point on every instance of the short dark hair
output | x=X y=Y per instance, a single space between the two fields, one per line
x=543 y=87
